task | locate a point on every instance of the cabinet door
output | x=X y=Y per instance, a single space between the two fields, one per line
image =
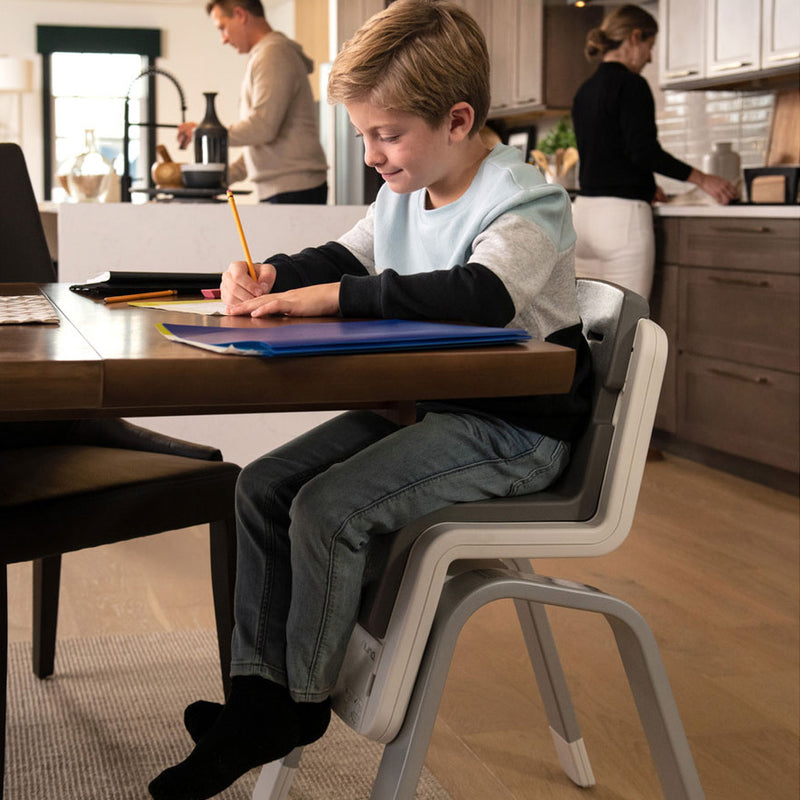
x=529 y=47
x=739 y=409
x=682 y=44
x=502 y=42
x=733 y=40
x=744 y=316
x=664 y=311
x=780 y=42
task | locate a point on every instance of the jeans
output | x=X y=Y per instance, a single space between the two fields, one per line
x=306 y=512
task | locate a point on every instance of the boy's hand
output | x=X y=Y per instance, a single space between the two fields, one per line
x=319 y=300
x=237 y=285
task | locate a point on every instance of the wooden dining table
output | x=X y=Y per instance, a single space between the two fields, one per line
x=104 y=360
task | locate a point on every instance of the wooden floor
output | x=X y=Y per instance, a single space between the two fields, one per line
x=712 y=563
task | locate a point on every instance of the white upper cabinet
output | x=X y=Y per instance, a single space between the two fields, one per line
x=681 y=43
x=715 y=42
x=733 y=37
x=530 y=47
x=513 y=30
x=780 y=41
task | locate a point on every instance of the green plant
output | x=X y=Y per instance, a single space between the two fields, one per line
x=562 y=136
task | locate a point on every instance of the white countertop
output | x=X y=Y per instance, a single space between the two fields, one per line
x=733 y=211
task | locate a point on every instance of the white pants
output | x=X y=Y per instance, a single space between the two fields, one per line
x=616 y=241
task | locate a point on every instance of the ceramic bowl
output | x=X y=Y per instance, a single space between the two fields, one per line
x=203 y=176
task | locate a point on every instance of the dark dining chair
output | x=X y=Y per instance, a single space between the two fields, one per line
x=24 y=255
x=67 y=485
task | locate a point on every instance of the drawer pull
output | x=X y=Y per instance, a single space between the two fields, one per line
x=724 y=373
x=740 y=282
x=740 y=229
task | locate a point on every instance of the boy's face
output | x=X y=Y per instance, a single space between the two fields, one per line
x=407 y=152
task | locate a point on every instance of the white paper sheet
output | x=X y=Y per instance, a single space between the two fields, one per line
x=208 y=307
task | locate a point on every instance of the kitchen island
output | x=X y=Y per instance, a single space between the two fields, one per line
x=727 y=292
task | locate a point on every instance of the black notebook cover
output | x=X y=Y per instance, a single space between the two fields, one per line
x=112 y=283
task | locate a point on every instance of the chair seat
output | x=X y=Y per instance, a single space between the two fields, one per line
x=69 y=493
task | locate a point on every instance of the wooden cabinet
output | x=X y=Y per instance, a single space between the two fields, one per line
x=719 y=42
x=727 y=293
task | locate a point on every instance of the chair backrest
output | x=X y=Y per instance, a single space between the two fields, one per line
x=609 y=314
x=24 y=255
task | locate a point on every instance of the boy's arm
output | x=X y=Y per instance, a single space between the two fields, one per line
x=470 y=293
x=325 y=264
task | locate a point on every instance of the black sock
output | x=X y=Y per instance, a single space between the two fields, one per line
x=259 y=723
x=200 y=716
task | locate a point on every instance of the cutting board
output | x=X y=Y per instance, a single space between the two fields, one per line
x=784 y=144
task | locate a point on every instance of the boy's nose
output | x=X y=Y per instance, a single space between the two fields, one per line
x=372 y=155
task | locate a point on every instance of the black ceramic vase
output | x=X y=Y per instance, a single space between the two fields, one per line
x=211 y=137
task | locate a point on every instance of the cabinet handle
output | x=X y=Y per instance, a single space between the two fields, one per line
x=785 y=56
x=740 y=229
x=681 y=73
x=740 y=282
x=724 y=373
x=731 y=65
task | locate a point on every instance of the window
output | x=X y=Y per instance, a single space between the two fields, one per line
x=86 y=75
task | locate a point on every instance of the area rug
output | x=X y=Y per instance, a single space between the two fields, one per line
x=111 y=719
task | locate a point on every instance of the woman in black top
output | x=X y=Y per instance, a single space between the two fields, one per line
x=614 y=118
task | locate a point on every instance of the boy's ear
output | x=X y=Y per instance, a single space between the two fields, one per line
x=461 y=118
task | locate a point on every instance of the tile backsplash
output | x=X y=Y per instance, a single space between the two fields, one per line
x=690 y=122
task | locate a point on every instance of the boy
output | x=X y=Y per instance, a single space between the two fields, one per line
x=459 y=232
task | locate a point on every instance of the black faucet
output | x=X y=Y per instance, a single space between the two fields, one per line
x=125 y=184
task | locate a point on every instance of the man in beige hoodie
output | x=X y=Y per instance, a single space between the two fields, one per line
x=279 y=127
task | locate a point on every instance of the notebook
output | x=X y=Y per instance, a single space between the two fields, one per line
x=351 y=336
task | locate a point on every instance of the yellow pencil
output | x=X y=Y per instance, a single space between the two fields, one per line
x=127 y=298
x=239 y=228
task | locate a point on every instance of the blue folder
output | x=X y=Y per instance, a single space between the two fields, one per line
x=353 y=336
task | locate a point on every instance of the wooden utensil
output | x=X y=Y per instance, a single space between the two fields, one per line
x=570 y=160
x=541 y=161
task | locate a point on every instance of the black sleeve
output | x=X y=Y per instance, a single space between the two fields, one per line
x=641 y=134
x=324 y=264
x=479 y=296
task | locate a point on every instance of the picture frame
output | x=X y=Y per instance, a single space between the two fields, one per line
x=524 y=139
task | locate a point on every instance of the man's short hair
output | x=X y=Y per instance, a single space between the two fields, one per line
x=417 y=56
x=227 y=6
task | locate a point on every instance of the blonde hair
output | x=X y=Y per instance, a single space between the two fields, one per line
x=616 y=28
x=417 y=56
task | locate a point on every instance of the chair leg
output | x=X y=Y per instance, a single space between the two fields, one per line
x=222 y=546
x=403 y=758
x=275 y=779
x=46 y=584
x=4 y=668
x=553 y=688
